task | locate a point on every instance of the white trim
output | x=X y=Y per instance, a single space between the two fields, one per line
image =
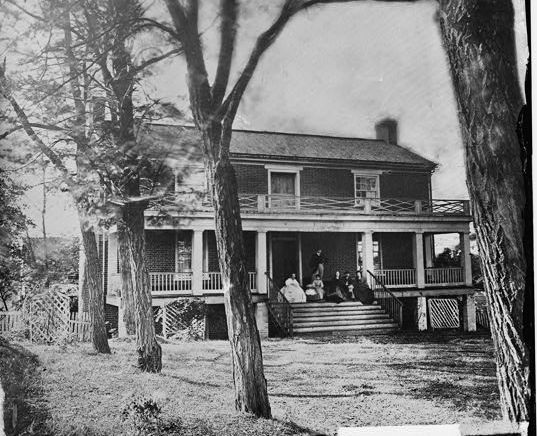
x=283 y=169
x=368 y=172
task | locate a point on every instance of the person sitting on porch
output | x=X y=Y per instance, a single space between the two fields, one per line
x=348 y=286
x=317 y=263
x=362 y=291
x=335 y=293
x=292 y=290
x=315 y=290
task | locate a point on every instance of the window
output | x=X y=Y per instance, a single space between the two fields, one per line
x=365 y=186
x=183 y=252
x=283 y=186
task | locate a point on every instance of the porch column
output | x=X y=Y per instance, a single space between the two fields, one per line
x=197 y=262
x=468 y=314
x=429 y=250
x=261 y=261
x=417 y=255
x=422 y=313
x=467 y=259
x=367 y=256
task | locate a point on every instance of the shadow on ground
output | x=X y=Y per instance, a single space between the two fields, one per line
x=20 y=373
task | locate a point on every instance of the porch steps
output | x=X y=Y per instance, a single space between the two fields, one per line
x=340 y=318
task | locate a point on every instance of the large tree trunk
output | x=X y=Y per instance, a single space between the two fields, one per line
x=127 y=292
x=92 y=276
x=479 y=39
x=250 y=384
x=149 y=350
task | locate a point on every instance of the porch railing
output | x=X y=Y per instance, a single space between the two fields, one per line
x=397 y=278
x=280 y=308
x=444 y=276
x=270 y=203
x=171 y=282
x=212 y=281
x=389 y=302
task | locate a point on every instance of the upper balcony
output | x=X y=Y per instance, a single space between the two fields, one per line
x=279 y=203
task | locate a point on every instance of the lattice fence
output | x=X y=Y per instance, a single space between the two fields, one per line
x=47 y=315
x=444 y=313
x=182 y=319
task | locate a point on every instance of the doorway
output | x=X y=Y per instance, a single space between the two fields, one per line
x=284 y=258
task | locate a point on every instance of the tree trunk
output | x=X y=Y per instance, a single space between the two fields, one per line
x=479 y=39
x=94 y=285
x=127 y=293
x=149 y=350
x=248 y=375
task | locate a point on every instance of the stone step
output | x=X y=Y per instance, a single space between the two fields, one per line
x=330 y=304
x=378 y=328
x=352 y=322
x=337 y=317
x=335 y=308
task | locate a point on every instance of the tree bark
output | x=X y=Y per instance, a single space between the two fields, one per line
x=127 y=292
x=248 y=375
x=149 y=350
x=479 y=40
x=95 y=288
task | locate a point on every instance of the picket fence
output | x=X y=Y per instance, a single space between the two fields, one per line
x=78 y=325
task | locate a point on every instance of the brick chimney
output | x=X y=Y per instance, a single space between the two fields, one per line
x=386 y=129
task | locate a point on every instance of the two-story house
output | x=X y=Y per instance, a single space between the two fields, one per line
x=365 y=202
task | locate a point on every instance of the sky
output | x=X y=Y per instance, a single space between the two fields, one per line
x=337 y=70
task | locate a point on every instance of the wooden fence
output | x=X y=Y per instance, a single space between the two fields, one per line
x=10 y=321
x=80 y=326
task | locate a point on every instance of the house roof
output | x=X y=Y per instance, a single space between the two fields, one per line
x=298 y=146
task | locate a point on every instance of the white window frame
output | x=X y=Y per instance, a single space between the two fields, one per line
x=358 y=201
x=290 y=169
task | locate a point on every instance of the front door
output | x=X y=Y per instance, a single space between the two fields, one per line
x=284 y=259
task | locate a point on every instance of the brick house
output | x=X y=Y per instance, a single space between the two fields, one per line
x=366 y=202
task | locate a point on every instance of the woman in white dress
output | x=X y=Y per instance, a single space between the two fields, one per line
x=292 y=290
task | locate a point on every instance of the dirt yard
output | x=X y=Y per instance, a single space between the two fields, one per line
x=315 y=385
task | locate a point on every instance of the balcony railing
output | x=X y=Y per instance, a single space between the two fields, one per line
x=212 y=281
x=277 y=203
x=397 y=278
x=171 y=282
x=444 y=276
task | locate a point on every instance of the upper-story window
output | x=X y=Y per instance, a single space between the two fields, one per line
x=283 y=186
x=365 y=186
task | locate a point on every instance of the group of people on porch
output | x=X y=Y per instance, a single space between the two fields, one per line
x=337 y=290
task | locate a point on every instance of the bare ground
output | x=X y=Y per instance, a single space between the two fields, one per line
x=315 y=385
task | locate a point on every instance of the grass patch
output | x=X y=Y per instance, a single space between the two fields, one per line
x=315 y=385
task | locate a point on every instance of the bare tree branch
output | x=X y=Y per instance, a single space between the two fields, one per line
x=156 y=59
x=23 y=119
x=228 y=31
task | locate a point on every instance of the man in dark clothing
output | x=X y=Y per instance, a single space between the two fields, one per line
x=317 y=263
x=348 y=286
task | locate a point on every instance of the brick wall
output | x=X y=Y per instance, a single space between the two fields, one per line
x=111 y=315
x=396 y=250
x=251 y=179
x=326 y=182
x=160 y=250
x=399 y=185
x=249 y=246
x=339 y=248
x=216 y=325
